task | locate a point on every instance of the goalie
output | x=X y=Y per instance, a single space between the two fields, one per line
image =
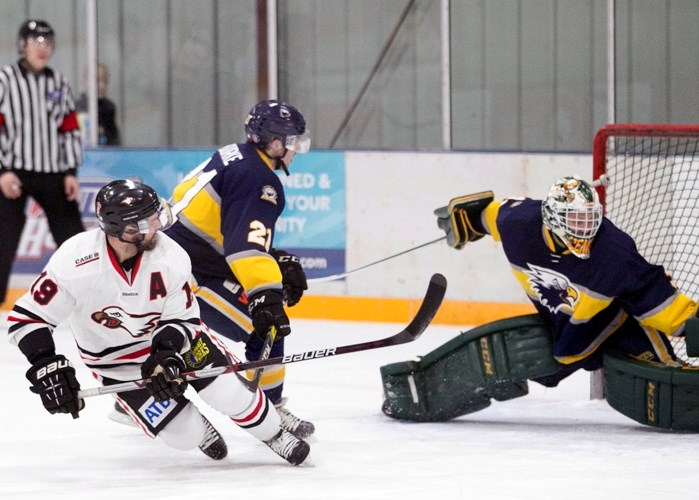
x=593 y=292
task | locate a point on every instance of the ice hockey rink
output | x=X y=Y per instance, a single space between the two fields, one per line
x=550 y=444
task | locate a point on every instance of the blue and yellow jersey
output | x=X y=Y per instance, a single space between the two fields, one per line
x=585 y=300
x=225 y=210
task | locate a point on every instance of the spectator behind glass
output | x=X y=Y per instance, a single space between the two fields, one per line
x=108 y=134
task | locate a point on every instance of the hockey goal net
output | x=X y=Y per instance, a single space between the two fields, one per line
x=653 y=195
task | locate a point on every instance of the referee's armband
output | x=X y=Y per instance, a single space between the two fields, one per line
x=455 y=219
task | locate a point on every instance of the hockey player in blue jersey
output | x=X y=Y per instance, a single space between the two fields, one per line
x=583 y=275
x=593 y=292
x=226 y=210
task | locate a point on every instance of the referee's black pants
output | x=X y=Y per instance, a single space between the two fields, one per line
x=63 y=217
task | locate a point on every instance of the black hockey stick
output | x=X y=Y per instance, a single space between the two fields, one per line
x=266 y=350
x=429 y=307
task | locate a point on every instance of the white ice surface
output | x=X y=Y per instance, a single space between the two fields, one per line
x=550 y=444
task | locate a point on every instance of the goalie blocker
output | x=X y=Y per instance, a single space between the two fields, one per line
x=495 y=361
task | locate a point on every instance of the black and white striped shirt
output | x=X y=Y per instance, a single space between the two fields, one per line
x=39 y=129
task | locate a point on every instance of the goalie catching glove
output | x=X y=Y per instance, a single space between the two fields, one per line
x=163 y=369
x=53 y=378
x=293 y=276
x=455 y=218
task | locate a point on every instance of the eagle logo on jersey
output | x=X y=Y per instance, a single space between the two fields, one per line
x=269 y=194
x=553 y=289
x=115 y=318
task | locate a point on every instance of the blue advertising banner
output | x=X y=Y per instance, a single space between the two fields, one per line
x=312 y=225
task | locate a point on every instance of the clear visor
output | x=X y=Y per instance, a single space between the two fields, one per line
x=298 y=143
x=159 y=220
x=165 y=214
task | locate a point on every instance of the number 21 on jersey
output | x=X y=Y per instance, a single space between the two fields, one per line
x=260 y=234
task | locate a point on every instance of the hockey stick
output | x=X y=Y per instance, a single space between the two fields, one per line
x=266 y=349
x=334 y=277
x=603 y=180
x=429 y=307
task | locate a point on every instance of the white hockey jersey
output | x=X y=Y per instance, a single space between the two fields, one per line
x=113 y=314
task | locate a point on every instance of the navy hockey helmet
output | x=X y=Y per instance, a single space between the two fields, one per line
x=36 y=29
x=572 y=211
x=124 y=203
x=272 y=119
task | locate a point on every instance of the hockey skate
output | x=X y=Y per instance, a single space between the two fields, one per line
x=213 y=445
x=290 y=422
x=119 y=415
x=289 y=447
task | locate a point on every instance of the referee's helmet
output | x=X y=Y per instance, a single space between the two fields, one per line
x=36 y=29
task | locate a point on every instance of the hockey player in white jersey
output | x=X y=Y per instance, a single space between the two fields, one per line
x=124 y=290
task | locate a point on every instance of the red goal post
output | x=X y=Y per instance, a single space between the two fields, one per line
x=653 y=194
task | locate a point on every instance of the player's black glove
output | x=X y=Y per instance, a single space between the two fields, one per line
x=53 y=378
x=267 y=311
x=293 y=276
x=163 y=369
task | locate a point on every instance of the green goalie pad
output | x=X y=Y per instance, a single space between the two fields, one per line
x=653 y=394
x=691 y=332
x=491 y=361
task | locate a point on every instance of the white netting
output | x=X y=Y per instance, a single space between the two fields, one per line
x=654 y=196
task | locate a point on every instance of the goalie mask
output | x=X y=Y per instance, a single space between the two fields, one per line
x=127 y=206
x=573 y=213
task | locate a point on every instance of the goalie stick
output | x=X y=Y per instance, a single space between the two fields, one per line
x=334 y=277
x=428 y=308
x=603 y=181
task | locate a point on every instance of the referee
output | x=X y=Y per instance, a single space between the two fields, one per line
x=40 y=145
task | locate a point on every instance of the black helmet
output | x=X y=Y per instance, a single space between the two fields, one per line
x=34 y=28
x=123 y=203
x=272 y=119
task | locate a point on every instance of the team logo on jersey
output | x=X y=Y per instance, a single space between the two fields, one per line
x=115 y=318
x=269 y=194
x=553 y=289
x=55 y=95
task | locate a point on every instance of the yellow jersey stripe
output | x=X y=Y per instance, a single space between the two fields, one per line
x=224 y=308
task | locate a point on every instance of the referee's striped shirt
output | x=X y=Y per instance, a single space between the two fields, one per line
x=39 y=130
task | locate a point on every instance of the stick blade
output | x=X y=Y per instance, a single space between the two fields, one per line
x=427 y=311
